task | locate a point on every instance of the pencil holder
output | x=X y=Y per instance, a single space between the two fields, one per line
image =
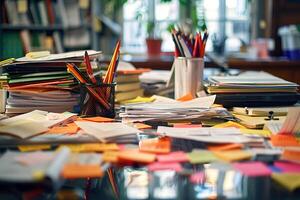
x=188 y=76
x=97 y=100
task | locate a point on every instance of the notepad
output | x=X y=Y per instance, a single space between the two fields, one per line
x=156 y=145
x=178 y=156
x=233 y=155
x=201 y=156
x=158 y=166
x=252 y=169
x=290 y=181
x=288 y=167
x=136 y=156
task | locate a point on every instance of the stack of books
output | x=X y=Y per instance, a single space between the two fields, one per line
x=128 y=85
x=252 y=89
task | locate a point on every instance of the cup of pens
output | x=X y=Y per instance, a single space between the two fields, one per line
x=188 y=76
x=188 y=64
x=91 y=106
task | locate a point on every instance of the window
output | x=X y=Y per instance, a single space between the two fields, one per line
x=136 y=13
x=225 y=19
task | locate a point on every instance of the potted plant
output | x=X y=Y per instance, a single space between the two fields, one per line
x=153 y=41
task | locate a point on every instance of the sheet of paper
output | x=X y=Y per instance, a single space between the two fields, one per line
x=177 y=156
x=106 y=130
x=252 y=169
x=290 y=181
x=157 y=166
x=233 y=155
x=213 y=135
x=201 y=156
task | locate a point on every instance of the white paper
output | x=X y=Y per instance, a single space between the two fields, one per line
x=106 y=130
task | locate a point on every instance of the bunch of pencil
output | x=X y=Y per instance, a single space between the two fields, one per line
x=189 y=45
x=99 y=88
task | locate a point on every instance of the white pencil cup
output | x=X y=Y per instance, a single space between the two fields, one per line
x=188 y=76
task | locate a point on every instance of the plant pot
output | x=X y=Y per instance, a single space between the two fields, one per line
x=153 y=46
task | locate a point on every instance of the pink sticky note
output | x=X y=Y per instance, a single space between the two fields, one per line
x=287 y=166
x=197 y=178
x=165 y=166
x=178 y=156
x=252 y=169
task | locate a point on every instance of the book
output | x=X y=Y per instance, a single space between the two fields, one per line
x=124 y=87
x=121 y=96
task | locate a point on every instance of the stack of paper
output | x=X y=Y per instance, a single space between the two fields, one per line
x=42 y=83
x=171 y=110
x=249 y=82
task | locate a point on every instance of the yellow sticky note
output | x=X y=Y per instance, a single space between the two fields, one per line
x=234 y=155
x=139 y=100
x=100 y=147
x=25 y=148
x=290 y=181
x=229 y=124
x=73 y=147
x=110 y=156
x=257 y=132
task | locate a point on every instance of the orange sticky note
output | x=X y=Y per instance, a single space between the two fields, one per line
x=110 y=156
x=141 y=126
x=137 y=156
x=229 y=124
x=99 y=147
x=156 y=145
x=71 y=171
x=186 y=97
x=69 y=129
x=284 y=140
x=225 y=147
x=96 y=119
x=233 y=155
x=291 y=155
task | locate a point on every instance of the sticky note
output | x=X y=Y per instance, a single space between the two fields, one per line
x=178 y=156
x=284 y=140
x=73 y=147
x=156 y=145
x=291 y=155
x=96 y=119
x=288 y=166
x=229 y=124
x=164 y=166
x=257 y=132
x=63 y=130
x=25 y=148
x=110 y=156
x=197 y=178
x=290 y=181
x=71 y=171
x=186 y=97
x=100 y=147
x=201 y=156
x=233 y=155
x=136 y=156
x=224 y=147
x=142 y=126
x=252 y=169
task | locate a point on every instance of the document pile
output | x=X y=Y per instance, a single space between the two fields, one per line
x=258 y=89
x=172 y=110
x=42 y=83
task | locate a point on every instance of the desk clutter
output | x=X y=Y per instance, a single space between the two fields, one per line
x=46 y=148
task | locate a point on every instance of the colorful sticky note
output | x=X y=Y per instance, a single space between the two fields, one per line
x=257 y=132
x=290 y=181
x=291 y=155
x=71 y=171
x=201 y=156
x=233 y=155
x=164 y=166
x=142 y=126
x=156 y=145
x=136 y=156
x=225 y=147
x=252 y=169
x=73 y=147
x=110 y=156
x=186 y=97
x=229 y=124
x=26 y=148
x=69 y=129
x=284 y=140
x=288 y=166
x=178 y=156
x=197 y=178
x=96 y=119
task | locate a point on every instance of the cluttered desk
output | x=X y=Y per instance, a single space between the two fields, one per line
x=212 y=144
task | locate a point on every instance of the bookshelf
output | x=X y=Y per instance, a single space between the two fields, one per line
x=55 y=25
